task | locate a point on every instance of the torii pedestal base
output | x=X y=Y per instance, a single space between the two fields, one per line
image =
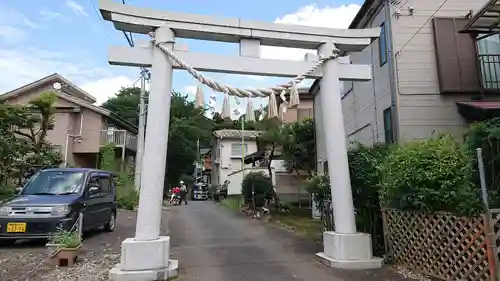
x=348 y=251
x=145 y=261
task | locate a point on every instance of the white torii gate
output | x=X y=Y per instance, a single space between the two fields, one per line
x=146 y=256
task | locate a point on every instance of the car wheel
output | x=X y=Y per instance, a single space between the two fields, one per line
x=110 y=226
x=7 y=242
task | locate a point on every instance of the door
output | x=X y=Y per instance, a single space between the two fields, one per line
x=98 y=204
x=91 y=209
x=106 y=198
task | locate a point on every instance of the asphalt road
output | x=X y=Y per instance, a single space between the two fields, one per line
x=214 y=244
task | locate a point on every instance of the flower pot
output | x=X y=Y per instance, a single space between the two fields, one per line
x=64 y=256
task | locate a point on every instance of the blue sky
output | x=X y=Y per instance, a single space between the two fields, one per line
x=70 y=37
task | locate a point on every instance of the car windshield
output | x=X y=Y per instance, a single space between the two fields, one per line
x=55 y=183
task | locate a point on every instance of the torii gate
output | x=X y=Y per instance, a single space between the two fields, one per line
x=146 y=256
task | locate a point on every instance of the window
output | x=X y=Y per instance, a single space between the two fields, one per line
x=105 y=183
x=236 y=150
x=55 y=182
x=388 y=132
x=382 y=45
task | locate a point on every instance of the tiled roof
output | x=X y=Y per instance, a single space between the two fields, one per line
x=236 y=134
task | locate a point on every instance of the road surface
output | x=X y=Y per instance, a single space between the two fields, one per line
x=214 y=244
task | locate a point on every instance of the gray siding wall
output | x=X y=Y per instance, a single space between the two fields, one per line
x=364 y=102
x=423 y=111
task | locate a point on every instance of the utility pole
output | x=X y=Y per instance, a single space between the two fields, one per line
x=142 y=127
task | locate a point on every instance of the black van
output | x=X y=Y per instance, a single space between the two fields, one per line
x=54 y=198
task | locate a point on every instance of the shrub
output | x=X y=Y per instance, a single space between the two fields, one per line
x=6 y=192
x=486 y=135
x=127 y=197
x=262 y=186
x=429 y=175
x=319 y=186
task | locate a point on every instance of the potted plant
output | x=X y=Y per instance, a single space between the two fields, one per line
x=64 y=247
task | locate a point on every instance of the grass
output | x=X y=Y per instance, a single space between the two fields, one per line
x=233 y=203
x=300 y=222
x=298 y=219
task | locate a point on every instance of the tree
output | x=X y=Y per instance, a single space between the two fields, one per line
x=299 y=146
x=187 y=125
x=24 y=129
x=125 y=104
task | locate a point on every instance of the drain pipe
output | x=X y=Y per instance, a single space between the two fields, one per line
x=68 y=136
x=392 y=70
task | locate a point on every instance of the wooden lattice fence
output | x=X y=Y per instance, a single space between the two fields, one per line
x=440 y=245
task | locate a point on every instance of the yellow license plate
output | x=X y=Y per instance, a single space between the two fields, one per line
x=16 y=227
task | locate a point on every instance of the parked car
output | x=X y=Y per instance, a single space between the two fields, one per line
x=54 y=198
x=200 y=191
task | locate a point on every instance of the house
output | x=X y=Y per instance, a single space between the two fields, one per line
x=434 y=70
x=227 y=163
x=303 y=111
x=81 y=127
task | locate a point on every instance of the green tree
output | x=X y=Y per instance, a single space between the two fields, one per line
x=125 y=104
x=24 y=129
x=187 y=125
x=298 y=146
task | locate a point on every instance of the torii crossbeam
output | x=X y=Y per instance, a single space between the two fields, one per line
x=146 y=255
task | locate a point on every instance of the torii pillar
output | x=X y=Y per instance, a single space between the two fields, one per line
x=146 y=256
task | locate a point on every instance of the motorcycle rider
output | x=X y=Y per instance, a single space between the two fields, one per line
x=183 y=193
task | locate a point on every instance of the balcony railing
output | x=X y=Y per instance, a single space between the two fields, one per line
x=121 y=138
x=489 y=66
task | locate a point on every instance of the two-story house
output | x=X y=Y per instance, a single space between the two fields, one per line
x=227 y=151
x=301 y=112
x=434 y=70
x=81 y=128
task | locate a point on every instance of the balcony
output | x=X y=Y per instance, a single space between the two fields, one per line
x=120 y=138
x=489 y=67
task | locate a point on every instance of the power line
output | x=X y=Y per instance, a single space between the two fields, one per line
x=130 y=40
x=420 y=28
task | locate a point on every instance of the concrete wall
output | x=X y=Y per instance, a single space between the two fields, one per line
x=364 y=102
x=422 y=109
x=229 y=165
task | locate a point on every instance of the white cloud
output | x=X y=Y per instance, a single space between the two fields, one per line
x=13 y=17
x=21 y=66
x=107 y=87
x=48 y=14
x=76 y=8
x=13 y=25
x=11 y=34
x=190 y=91
x=333 y=17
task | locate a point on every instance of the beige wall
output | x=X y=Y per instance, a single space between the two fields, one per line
x=305 y=109
x=422 y=109
x=91 y=132
x=69 y=123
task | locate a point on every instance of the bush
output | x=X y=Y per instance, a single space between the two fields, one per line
x=429 y=175
x=486 y=135
x=127 y=197
x=319 y=185
x=262 y=186
x=6 y=192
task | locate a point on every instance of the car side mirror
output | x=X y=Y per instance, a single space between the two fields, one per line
x=93 y=190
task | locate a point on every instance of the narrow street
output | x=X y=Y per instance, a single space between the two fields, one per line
x=213 y=244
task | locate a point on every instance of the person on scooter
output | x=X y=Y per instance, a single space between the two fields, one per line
x=183 y=193
x=175 y=193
